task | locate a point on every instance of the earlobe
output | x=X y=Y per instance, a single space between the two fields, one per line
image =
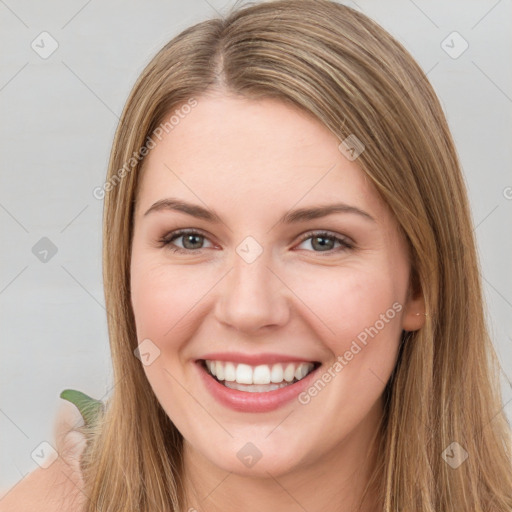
x=415 y=315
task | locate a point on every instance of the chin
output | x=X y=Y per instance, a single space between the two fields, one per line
x=255 y=459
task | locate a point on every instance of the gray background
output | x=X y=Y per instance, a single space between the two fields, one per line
x=58 y=118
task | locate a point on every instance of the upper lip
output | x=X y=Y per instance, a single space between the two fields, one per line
x=254 y=359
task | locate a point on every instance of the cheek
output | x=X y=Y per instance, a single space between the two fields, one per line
x=167 y=298
x=353 y=307
x=360 y=313
x=152 y=300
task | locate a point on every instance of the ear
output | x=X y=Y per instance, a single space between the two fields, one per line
x=414 y=310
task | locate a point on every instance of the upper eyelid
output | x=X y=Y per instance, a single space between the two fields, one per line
x=178 y=233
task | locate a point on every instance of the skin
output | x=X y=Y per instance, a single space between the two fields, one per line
x=59 y=486
x=251 y=162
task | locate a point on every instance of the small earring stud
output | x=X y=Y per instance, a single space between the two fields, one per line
x=418 y=314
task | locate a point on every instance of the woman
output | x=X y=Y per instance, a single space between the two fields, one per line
x=295 y=307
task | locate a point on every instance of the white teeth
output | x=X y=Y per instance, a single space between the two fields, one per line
x=277 y=373
x=301 y=372
x=243 y=374
x=289 y=373
x=261 y=375
x=229 y=372
x=219 y=370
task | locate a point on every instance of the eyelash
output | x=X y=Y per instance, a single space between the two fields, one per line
x=167 y=240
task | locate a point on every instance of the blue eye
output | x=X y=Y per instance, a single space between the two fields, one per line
x=323 y=241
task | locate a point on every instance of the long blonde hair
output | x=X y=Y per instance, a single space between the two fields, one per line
x=343 y=68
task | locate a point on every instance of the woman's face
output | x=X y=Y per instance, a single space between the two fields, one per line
x=265 y=290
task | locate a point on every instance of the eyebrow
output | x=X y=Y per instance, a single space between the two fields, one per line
x=293 y=216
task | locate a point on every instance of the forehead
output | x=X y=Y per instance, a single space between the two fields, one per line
x=255 y=152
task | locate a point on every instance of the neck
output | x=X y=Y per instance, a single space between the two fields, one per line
x=332 y=482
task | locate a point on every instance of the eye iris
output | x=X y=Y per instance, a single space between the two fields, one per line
x=322 y=246
x=187 y=238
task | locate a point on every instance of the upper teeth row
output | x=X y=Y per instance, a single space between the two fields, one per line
x=261 y=374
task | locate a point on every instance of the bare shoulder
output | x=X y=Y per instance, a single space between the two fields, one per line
x=56 y=488
x=59 y=486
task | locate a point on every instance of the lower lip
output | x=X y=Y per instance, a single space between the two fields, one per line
x=245 y=401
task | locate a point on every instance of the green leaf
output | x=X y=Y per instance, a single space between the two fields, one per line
x=89 y=407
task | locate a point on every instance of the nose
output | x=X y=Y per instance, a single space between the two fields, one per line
x=252 y=297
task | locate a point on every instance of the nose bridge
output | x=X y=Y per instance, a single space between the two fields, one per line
x=251 y=296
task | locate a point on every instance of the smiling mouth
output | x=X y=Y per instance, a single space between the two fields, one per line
x=260 y=378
